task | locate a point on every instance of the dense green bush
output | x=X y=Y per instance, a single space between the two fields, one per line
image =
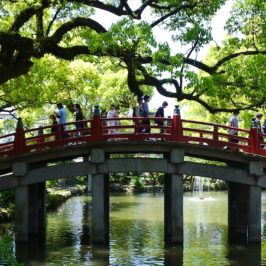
x=7 y=256
x=6 y=197
x=137 y=183
x=52 y=183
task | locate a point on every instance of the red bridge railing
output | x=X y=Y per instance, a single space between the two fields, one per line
x=97 y=130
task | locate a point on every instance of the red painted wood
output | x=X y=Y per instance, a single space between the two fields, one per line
x=176 y=129
x=19 y=142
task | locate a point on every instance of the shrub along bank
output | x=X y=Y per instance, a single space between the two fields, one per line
x=56 y=193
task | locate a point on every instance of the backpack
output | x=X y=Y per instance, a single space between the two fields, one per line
x=157 y=114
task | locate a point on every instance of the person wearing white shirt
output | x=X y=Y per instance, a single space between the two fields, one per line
x=62 y=115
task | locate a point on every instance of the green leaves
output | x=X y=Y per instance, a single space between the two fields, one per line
x=249 y=18
x=7 y=256
x=66 y=29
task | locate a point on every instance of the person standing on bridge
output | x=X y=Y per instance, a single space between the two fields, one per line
x=233 y=122
x=79 y=116
x=146 y=113
x=54 y=123
x=264 y=126
x=257 y=124
x=160 y=113
x=137 y=111
x=112 y=113
x=62 y=115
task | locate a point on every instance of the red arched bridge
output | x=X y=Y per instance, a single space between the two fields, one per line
x=26 y=171
x=97 y=130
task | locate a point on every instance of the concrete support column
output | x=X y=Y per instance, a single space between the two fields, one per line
x=42 y=207
x=254 y=215
x=89 y=184
x=244 y=213
x=30 y=211
x=173 y=208
x=22 y=213
x=100 y=208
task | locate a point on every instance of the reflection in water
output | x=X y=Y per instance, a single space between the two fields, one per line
x=173 y=256
x=245 y=255
x=137 y=237
x=33 y=251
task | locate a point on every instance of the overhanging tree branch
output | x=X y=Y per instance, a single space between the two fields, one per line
x=175 y=11
x=235 y=55
x=52 y=21
x=141 y=9
x=74 y=23
x=26 y=15
x=98 y=4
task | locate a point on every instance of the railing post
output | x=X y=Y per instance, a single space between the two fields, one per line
x=201 y=136
x=136 y=127
x=254 y=140
x=57 y=132
x=40 y=140
x=96 y=125
x=215 y=133
x=177 y=125
x=168 y=123
x=19 y=142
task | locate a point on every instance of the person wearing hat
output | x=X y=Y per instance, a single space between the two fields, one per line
x=160 y=113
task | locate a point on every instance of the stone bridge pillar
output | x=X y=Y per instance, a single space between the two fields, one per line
x=173 y=208
x=244 y=213
x=100 y=201
x=244 y=208
x=173 y=202
x=89 y=184
x=30 y=211
x=30 y=206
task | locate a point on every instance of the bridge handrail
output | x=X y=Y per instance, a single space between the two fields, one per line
x=7 y=136
x=214 y=124
x=97 y=129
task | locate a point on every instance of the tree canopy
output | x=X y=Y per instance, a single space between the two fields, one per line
x=233 y=73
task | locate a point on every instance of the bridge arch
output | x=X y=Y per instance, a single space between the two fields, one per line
x=243 y=172
x=176 y=159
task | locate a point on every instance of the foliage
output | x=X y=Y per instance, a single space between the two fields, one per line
x=121 y=178
x=7 y=256
x=137 y=183
x=7 y=197
x=51 y=183
x=53 y=80
x=194 y=111
x=72 y=29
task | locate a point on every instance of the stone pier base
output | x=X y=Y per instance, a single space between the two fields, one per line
x=244 y=213
x=100 y=209
x=30 y=213
x=173 y=209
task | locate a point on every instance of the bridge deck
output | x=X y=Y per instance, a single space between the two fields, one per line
x=210 y=140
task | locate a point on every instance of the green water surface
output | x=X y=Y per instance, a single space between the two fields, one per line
x=137 y=234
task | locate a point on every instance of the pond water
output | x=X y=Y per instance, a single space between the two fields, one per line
x=137 y=234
